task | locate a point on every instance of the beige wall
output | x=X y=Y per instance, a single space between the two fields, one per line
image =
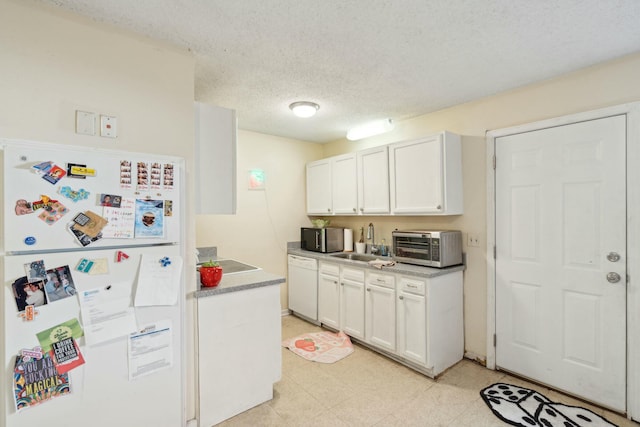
x=608 y=84
x=54 y=63
x=265 y=220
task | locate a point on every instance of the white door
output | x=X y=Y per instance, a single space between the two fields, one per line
x=560 y=229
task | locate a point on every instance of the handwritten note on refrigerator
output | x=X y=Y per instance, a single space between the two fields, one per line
x=158 y=280
x=122 y=220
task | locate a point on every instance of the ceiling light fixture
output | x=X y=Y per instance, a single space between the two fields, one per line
x=370 y=129
x=304 y=108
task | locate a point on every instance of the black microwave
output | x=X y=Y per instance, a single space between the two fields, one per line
x=322 y=239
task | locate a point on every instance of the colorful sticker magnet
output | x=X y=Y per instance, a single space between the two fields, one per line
x=45 y=202
x=74 y=195
x=121 y=256
x=70 y=172
x=84 y=265
x=29 y=314
x=34 y=353
x=23 y=207
x=53 y=213
x=55 y=174
x=82 y=171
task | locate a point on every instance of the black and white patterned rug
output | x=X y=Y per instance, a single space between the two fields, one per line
x=527 y=408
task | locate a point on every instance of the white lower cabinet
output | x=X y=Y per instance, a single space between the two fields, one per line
x=414 y=319
x=352 y=302
x=380 y=310
x=329 y=295
x=412 y=327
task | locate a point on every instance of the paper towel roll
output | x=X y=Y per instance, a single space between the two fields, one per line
x=348 y=240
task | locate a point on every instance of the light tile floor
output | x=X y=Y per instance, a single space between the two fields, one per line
x=367 y=389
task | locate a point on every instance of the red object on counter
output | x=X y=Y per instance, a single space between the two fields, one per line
x=210 y=276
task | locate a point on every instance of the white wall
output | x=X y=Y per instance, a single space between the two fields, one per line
x=53 y=63
x=265 y=220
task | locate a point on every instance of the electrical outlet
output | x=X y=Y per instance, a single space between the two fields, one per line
x=473 y=240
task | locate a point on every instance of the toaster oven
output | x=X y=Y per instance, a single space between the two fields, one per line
x=428 y=248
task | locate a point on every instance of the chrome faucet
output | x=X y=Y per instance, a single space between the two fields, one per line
x=372 y=236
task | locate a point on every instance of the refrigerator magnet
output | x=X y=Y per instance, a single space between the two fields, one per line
x=23 y=207
x=29 y=314
x=53 y=213
x=54 y=175
x=29 y=240
x=80 y=171
x=74 y=195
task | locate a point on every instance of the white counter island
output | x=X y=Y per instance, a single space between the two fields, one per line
x=239 y=344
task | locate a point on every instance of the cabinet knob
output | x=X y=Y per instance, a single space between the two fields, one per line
x=329 y=209
x=400 y=297
x=439 y=207
x=368 y=289
x=354 y=209
x=361 y=209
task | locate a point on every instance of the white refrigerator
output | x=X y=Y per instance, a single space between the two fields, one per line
x=93 y=299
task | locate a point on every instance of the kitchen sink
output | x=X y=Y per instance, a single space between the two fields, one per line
x=359 y=257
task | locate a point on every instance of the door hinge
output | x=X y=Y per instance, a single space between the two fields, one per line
x=494 y=162
x=495 y=340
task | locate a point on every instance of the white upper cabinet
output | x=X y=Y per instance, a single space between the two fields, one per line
x=345 y=184
x=319 y=198
x=418 y=177
x=373 y=181
x=426 y=176
x=216 y=134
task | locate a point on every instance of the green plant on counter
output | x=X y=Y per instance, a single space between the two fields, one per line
x=210 y=263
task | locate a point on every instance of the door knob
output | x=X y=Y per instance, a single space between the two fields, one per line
x=613 y=277
x=613 y=256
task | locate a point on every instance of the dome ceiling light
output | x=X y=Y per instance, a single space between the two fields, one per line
x=304 y=108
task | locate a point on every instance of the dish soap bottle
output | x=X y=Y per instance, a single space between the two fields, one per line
x=383 y=249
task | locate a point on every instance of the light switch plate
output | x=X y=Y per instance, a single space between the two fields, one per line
x=108 y=126
x=85 y=123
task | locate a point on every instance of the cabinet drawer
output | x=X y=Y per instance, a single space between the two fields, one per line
x=330 y=269
x=356 y=275
x=413 y=286
x=386 y=280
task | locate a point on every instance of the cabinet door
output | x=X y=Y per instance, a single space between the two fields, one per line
x=216 y=135
x=373 y=181
x=329 y=300
x=352 y=308
x=319 y=187
x=380 y=313
x=345 y=184
x=412 y=335
x=426 y=176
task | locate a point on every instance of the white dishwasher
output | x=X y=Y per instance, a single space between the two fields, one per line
x=303 y=286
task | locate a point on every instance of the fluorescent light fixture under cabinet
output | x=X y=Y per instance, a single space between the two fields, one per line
x=370 y=129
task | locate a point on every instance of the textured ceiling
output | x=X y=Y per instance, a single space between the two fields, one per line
x=370 y=59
